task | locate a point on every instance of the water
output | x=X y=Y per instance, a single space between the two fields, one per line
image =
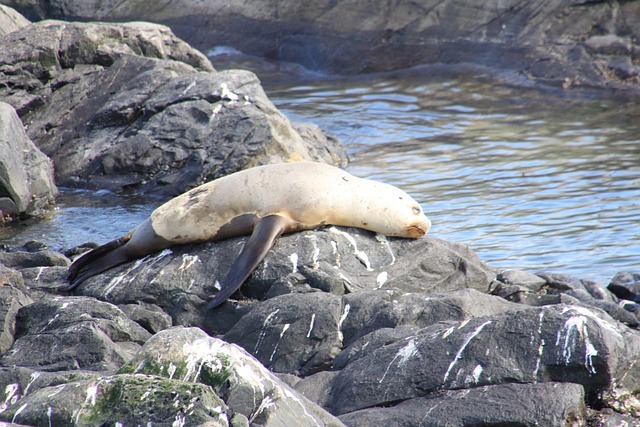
x=530 y=179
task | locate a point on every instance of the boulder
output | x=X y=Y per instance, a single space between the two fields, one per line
x=11 y=20
x=548 y=404
x=27 y=186
x=130 y=107
x=362 y=345
x=559 y=343
x=551 y=288
x=336 y=260
x=67 y=333
x=191 y=356
x=563 y=43
x=13 y=296
x=120 y=400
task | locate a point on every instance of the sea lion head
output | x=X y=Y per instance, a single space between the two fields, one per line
x=388 y=210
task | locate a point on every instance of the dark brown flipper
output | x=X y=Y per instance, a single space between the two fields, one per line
x=96 y=261
x=265 y=232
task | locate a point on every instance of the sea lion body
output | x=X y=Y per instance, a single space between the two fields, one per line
x=265 y=202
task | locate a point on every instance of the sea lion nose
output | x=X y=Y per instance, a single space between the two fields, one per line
x=419 y=229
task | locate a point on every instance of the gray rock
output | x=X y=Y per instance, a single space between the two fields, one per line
x=190 y=355
x=527 y=405
x=609 y=44
x=130 y=107
x=522 y=278
x=11 y=20
x=13 y=296
x=317 y=387
x=562 y=43
x=371 y=311
x=45 y=258
x=555 y=343
x=294 y=333
x=26 y=174
x=544 y=404
x=149 y=316
x=338 y=260
x=610 y=418
x=120 y=400
x=628 y=279
x=67 y=333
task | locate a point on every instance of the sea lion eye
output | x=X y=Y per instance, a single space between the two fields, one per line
x=416 y=210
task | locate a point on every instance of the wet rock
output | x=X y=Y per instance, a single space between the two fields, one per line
x=67 y=333
x=552 y=404
x=26 y=174
x=130 y=107
x=190 y=355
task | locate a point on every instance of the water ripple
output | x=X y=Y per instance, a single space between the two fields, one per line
x=528 y=180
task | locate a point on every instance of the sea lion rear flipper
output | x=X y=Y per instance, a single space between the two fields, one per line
x=96 y=261
x=265 y=232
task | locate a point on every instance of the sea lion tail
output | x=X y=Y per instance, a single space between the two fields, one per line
x=96 y=261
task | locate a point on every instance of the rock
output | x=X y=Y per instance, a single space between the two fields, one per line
x=297 y=333
x=628 y=280
x=26 y=175
x=68 y=333
x=190 y=355
x=44 y=258
x=522 y=278
x=549 y=344
x=121 y=400
x=609 y=44
x=130 y=107
x=549 y=404
x=13 y=296
x=317 y=387
x=332 y=259
x=550 y=288
x=11 y=20
x=549 y=42
x=376 y=319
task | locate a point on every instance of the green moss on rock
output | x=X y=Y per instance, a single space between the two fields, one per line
x=134 y=398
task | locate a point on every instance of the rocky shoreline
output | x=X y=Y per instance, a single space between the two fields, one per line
x=564 y=44
x=338 y=326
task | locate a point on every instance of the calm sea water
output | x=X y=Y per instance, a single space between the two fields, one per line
x=530 y=179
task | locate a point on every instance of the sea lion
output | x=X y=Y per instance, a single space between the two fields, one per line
x=265 y=202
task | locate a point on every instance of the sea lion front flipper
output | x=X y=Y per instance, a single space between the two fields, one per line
x=265 y=232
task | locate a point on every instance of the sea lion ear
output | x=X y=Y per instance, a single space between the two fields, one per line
x=265 y=232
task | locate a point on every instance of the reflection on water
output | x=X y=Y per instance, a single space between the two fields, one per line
x=530 y=180
x=82 y=216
